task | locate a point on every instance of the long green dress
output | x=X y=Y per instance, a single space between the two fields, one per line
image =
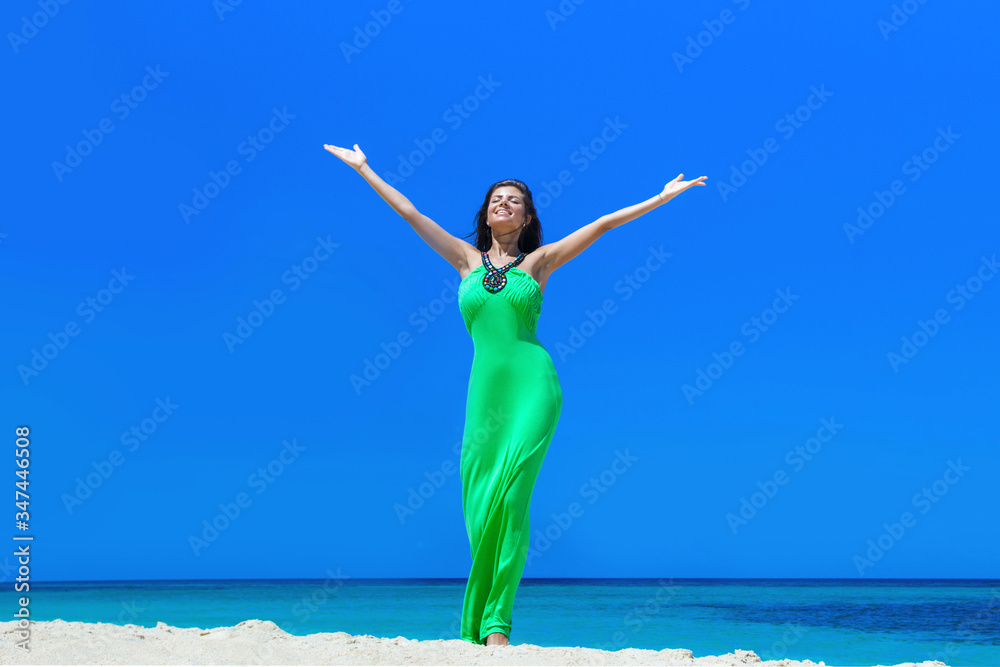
x=513 y=406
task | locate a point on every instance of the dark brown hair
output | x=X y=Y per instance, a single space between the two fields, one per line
x=531 y=234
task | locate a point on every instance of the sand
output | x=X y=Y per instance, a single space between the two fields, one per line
x=258 y=642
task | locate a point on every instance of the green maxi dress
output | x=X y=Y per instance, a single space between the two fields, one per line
x=513 y=406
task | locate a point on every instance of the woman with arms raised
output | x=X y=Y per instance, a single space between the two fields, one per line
x=514 y=398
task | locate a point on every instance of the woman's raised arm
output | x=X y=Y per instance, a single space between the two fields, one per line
x=454 y=250
x=554 y=255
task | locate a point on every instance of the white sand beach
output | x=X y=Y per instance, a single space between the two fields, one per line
x=258 y=642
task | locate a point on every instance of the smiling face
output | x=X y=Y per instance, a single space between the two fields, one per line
x=506 y=208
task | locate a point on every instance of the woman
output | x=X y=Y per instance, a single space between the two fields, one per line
x=514 y=397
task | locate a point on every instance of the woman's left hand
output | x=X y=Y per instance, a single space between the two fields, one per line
x=677 y=186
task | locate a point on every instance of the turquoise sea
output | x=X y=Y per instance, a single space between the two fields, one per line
x=838 y=621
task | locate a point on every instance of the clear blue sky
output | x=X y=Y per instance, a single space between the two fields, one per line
x=166 y=179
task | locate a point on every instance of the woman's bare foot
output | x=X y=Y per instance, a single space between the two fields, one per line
x=497 y=639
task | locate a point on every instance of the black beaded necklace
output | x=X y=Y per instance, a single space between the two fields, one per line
x=496 y=279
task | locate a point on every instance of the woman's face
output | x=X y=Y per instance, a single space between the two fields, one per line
x=506 y=208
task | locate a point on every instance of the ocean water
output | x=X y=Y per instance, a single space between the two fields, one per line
x=839 y=621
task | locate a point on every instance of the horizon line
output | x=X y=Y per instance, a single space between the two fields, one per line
x=524 y=579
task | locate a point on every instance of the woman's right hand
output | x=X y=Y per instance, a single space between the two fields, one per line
x=354 y=158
